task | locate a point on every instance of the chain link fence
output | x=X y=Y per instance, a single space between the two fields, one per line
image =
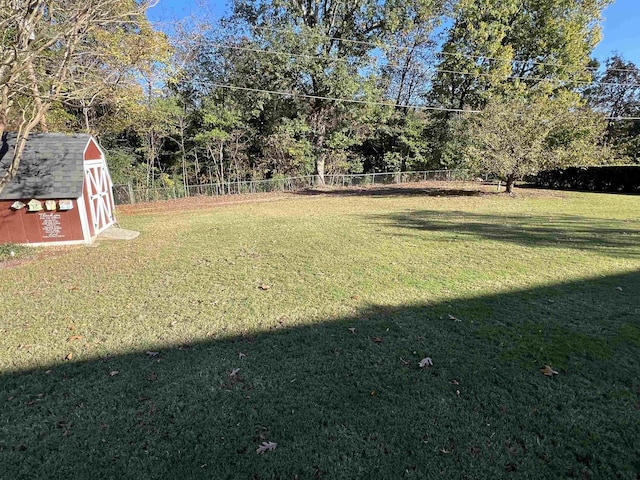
x=127 y=193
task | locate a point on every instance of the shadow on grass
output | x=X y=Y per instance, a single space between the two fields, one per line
x=615 y=237
x=355 y=405
x=393 y=191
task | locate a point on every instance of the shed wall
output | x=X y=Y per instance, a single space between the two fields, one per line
x=20 y=226
x=92 y=152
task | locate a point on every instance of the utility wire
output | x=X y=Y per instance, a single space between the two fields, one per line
x=388 y=45
x=366 y=102
x=346 y=100
x=434 y=69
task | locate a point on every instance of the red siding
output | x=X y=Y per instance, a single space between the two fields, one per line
x=92 y=152
x=20 y=226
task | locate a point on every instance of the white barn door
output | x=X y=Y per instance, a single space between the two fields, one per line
x=100 y=196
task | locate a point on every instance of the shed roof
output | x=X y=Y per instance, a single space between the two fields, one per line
x=52 y=166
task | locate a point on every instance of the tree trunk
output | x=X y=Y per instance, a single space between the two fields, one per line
x=320 y=168
x=509 y=184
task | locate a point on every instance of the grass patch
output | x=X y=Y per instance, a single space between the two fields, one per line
x=489 y=287
x=10 y=251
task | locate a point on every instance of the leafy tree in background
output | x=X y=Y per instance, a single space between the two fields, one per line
x=56 y=53
x=322 y=65
x=509 y=48
x=515 y=138
x=618 y=95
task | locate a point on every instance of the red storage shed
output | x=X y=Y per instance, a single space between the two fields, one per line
x=62 y=193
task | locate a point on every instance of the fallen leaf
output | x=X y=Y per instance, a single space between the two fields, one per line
x=619 y=288
x=355 y=297
x=264 y=287
x=234 y=372
x=373 y=393
x=404 y=362
x=73 y=287
x=266 y=446
x=451 y=317
x=458 y=392
x=352 y=329
x=455 y=382
x=444 y=450
x=71 y=327
x=74 y=337
x=241 y=355
x=151 y=354
x=548 y=371
x=69 y=356
x=425 y=362
x=376 y=339
x=113 y=373
x=152 y=377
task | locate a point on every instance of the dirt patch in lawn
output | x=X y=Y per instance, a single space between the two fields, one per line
x=453 y=189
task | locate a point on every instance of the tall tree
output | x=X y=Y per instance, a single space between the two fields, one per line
x=617 y=94
x=57 y=52
x=515 y=138
x=330 y=50
x=512 y=48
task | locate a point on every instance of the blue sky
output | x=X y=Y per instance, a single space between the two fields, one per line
x=621 y=31
x=621 y=28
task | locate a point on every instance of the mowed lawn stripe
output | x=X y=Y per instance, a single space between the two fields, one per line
x=326 y=304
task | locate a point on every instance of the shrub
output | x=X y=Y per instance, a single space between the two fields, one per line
x=620 y=178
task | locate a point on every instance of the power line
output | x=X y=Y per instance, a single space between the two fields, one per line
x=346 y=100
x=454 y=54
x=434 y=69
x=366 y=102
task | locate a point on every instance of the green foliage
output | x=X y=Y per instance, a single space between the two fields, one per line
x=11 y=251
x=515 y=138
x=619 y=178
x=619 y=96
x=393 y=267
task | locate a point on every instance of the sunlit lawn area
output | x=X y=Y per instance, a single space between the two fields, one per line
x=326 y=303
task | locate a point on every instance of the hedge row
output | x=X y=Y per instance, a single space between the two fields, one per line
x=622 y=178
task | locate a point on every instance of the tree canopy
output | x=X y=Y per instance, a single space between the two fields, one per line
x=310 y=87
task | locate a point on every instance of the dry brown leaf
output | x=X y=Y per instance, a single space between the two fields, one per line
x=74 y=337
x=71 y=327
x=352 y=329
x=425 y=362
x=264 y=287
x=72 y=288
x=69 y=356
x=376 y=339
x=266 y=446
x=355 y=297
x=548 y=371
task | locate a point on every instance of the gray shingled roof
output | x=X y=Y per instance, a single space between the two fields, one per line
x=52 y=166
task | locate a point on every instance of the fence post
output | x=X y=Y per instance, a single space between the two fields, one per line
x=132 y=197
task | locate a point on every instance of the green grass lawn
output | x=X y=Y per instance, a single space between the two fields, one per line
x=357 y=290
